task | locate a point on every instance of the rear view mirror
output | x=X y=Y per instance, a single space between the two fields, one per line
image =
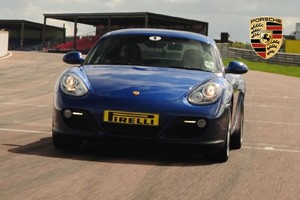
x=73 y=57
x=235 y=67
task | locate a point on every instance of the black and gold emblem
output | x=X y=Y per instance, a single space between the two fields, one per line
x=132 y=118
x=266 y=36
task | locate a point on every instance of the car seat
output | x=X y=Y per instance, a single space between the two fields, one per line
x=192 y=58
x=132 y=53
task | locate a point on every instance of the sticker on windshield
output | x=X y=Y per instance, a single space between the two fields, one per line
x=155 y=38
x=209 y=64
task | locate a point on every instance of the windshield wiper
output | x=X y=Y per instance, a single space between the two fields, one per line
x=195 y=68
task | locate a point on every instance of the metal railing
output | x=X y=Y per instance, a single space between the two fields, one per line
x=280 y=58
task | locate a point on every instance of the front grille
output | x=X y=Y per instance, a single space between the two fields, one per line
x=127 y=130
x=84 y=122
x=179 y=129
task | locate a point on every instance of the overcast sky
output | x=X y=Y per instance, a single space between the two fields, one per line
x=223 y=16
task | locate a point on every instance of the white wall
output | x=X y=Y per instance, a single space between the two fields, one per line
x=3 y=43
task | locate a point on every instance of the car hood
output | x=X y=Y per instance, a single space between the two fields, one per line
x=148 y=82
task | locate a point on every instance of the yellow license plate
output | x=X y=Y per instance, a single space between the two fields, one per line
x=120 y=117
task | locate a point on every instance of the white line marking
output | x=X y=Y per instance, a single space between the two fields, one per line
x=23 y=131
x=26 y=91
x=269 y=148
x=7 y=56
x=272 y=149
x=273 y=96
x=24 y=122
x=271 y=122
x=268 y=106
x=266 y=145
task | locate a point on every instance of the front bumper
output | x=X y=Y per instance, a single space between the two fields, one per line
x=173 y=128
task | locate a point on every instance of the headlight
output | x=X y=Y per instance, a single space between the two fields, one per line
x=72 y=85
x=206 y=94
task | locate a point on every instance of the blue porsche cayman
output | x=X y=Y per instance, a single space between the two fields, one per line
x=151 y=84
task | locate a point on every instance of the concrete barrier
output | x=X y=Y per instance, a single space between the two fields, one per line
x=3 y=43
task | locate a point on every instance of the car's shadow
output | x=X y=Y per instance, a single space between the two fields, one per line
x=143 y=153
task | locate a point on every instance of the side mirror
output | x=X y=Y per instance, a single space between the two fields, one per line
x=235 y=67
x=73 y=57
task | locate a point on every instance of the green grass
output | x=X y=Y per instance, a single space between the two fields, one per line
x=266 y=67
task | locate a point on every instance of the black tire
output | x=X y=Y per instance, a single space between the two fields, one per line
x=223 y=154
x=66 y=142
x=237 y=138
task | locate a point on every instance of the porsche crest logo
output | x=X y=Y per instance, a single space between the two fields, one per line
x=266 y=36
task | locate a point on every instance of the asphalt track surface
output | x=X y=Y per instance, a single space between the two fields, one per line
x=267 y=166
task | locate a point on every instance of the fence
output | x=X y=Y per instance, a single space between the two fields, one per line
x=39 y=47
x=280 y=58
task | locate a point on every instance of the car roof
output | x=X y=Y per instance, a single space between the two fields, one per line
x=161 y=33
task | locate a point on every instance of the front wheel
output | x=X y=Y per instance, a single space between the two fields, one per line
x=223 y=154
x=237 y=137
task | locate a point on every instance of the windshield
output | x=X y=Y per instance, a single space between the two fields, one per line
x=154 y=51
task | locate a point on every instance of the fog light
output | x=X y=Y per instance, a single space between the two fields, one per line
x=77 y=113
x=190 y=122
x=201 y=123
x=68 y=113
